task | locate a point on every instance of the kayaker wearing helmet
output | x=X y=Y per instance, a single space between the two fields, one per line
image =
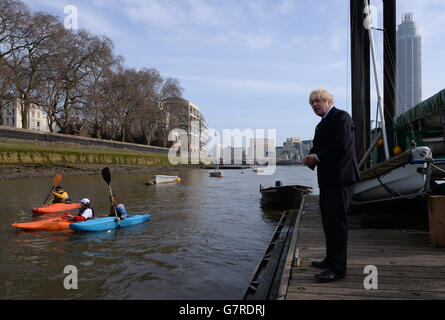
x=119 y=207
x=85 y=211
x=59 y=196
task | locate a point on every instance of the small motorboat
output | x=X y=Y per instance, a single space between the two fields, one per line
x=216 y=174
x=159 y=179
x=283 y=197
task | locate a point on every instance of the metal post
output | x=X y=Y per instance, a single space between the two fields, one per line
x=360 y=78
x=389 y=61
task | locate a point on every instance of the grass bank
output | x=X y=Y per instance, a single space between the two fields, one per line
x=26 y=159
x=53 y=154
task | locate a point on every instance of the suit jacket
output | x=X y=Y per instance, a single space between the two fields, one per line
x=334 y=145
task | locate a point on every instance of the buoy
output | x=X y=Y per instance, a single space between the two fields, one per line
x=380 y=143
x=397 y=150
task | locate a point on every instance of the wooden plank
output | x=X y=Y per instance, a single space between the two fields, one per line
x=275 y=287
x=395 y=271
x=266 y=280
x=285 y=278
x=312 y=296
x=409 y=266
x=383 y=294
x=383 y=283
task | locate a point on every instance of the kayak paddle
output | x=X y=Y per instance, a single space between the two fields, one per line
x=106 y=174
x=56 y=181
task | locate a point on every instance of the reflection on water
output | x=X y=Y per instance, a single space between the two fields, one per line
x=203 y=240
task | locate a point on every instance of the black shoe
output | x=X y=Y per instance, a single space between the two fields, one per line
x=329 y=276
x=320 y=264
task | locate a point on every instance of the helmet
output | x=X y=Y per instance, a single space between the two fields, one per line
x=85 y=201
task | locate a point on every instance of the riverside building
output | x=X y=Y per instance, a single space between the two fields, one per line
x=409 y=65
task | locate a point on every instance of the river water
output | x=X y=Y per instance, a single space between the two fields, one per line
x=203 y=240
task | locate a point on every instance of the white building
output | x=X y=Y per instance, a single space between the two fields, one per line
x=12 y=116
x=409 y=65
x=185 y=115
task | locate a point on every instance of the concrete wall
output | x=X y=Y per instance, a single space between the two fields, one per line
x=33 y=135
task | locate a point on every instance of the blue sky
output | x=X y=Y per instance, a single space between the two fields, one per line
x=251 y=64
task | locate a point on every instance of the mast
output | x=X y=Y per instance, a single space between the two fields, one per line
x=360 y=78
x=377 y=82
x=389 y=61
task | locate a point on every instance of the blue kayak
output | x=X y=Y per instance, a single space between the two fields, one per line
x=107 y=223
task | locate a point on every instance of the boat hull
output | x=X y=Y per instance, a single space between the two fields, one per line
x=403 y=180
x=50 y=224
x=283 y=197
x=108 y=223
x=217 y=174
x=56 y=207
x=165 y=179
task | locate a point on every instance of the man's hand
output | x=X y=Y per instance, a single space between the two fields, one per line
x=310 y=160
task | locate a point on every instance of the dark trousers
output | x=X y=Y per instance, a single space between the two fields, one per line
x=334 y=205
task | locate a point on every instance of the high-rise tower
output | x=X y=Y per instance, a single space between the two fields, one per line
x=409 y=64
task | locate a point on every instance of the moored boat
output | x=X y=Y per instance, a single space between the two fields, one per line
x=216 y=174
x=403 y=175
x=283 y=197
x=159 y=179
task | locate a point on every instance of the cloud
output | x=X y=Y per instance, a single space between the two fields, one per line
x=286 y=7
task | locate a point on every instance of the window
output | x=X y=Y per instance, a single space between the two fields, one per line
x=38 y=123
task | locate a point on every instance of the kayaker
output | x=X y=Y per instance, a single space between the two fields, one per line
x=119 y=207
x=59 y=196
x=85 y=211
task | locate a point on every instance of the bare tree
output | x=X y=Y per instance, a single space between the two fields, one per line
x=173 y=110
x=32 y=42
x=123 y=100
x=13 y=14
x=150 y=84
x=94 y=86
x=75 y=76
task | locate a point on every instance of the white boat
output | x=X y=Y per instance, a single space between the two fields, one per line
x=403 y=175
x=159 y=179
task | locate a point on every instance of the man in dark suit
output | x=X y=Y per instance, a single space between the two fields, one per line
x=333 y=154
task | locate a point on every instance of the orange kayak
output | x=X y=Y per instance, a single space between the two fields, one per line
x=56 y=207
x=44 y=224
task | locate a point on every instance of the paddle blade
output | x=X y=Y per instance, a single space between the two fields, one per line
x=106 y=174
x=57 y=179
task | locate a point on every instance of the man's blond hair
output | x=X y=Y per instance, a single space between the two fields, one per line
x=321 y=94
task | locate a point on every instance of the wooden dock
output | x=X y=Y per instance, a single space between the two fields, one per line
x=408 y=265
